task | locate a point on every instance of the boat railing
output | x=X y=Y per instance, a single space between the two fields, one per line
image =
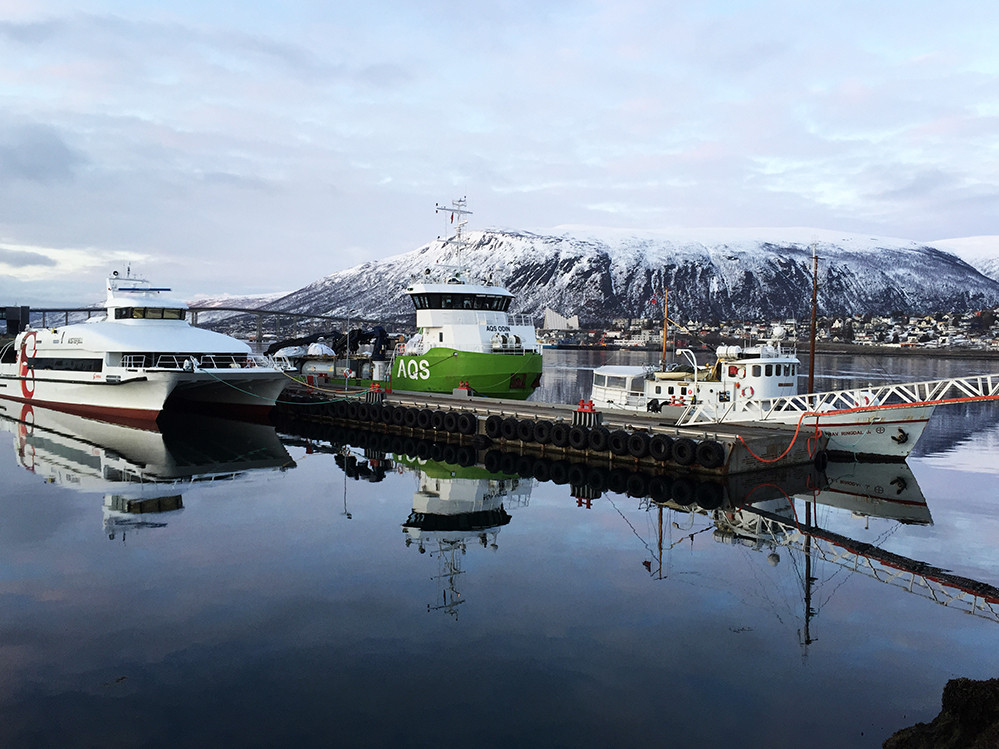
x=188 y=362
x=908 y=394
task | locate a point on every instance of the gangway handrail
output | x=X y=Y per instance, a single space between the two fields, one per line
x=899 y=395
x=936 y=584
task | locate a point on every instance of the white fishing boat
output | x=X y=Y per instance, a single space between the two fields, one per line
x=760 y=384
x=130 y=362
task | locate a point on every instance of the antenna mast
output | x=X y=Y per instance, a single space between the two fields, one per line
x=458 y=210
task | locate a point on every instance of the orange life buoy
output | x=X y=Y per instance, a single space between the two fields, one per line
x=747 y=392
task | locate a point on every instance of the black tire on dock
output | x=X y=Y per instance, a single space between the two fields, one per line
x=409 y=447
x=577 y=474
x=508 y=463
x=618 y=442
x=617 y=480
x=525 y=430
x=339 y=409
x=352 y=410
x=398 y=415
x=491 y=461
x=560 y=472
x=449 y=454
x=709 y=495
x=596 y=478
x=466 y=457
x=683 y=491
x=542 y=469
x=508 y=429
x=437 y=419
x=450 y=421
x=385 y=415
x=660 y=446
x=468 y=423
x=410 y=417
x=363 y=412
x=579 y=437
x=638 y=444
x=525 y=466
x=437 y=452
x=423 y=449
x=684 y=451
x=660 y=488
x=493 y=425
x=599 y=436
x=710 y=454
x=424 y=418
x=542 y=432
x=638 y=485
x=560 y=434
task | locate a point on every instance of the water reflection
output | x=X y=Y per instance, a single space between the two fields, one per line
x=463 y=502
x=140 y=471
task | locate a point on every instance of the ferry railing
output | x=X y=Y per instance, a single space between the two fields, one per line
x=909 y=394
x=519 y=320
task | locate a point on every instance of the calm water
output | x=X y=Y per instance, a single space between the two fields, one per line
x=415 y=602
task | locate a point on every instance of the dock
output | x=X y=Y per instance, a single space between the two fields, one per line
x=611 y=438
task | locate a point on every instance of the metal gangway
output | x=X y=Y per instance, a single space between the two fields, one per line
x=936 y=584
x=910 y=394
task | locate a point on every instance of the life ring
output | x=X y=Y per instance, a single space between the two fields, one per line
x=747 y=392
x=742 y=372
x=348 y=373
x=858 y=404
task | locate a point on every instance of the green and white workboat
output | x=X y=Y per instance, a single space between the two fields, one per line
x=465 y=337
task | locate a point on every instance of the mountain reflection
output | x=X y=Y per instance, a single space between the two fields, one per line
x=140 y=471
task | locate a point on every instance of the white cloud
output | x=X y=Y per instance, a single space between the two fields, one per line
x=262 y=146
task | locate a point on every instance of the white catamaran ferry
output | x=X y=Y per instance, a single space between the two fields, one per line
x=128 y=363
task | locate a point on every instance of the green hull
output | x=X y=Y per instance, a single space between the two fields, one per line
x=441 y=370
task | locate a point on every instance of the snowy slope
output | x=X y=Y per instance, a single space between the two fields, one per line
x=982 y=253
x=600 y=274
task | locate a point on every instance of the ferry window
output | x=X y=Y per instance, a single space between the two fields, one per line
x=636 y=385
x=599 y=380
x=733 y=370
x=617 y=382
x=670 y=390
x=122 y=312
x=683 y=391
x=137 y=313
x=440 y=337
x=173 y=314
x=659 y=389
x=757 y=370
x=467 y=302
x=769 y=370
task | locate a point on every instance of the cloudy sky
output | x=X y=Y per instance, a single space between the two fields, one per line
x=245 y=147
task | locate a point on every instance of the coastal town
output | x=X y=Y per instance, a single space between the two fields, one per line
x=973 y=331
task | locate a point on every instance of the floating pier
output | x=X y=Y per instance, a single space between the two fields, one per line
x=609 y=437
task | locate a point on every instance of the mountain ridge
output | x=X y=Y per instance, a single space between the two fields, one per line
x=602 y=274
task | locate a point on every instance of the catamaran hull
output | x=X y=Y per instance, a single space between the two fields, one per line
x=142 y=395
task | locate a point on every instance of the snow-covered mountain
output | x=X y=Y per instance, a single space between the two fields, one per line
x=720 y=274
x=235 y=302
x=981 y=253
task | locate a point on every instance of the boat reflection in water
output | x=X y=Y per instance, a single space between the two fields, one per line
x=140 y=471
x=454 y=508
